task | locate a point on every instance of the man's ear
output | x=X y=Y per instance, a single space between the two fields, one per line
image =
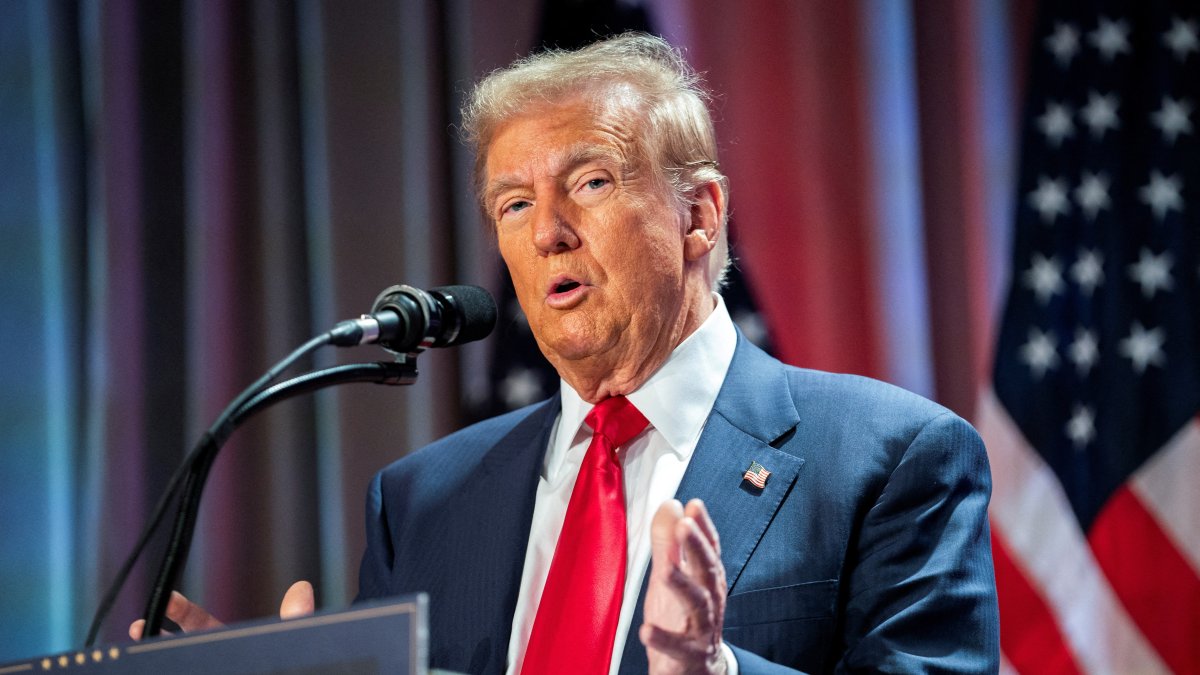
x=705 y=216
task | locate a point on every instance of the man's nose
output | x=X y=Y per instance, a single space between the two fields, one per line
x=553 y=229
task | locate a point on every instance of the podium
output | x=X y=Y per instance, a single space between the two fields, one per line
x=385 y=637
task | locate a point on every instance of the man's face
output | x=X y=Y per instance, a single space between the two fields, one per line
x=594 y=241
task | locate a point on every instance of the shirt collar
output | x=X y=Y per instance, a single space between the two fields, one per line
x=678 y=397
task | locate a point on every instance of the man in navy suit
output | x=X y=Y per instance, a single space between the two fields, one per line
x=832 y=523
x=866 y=548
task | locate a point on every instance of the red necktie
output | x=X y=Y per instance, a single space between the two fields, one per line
x=581 y=603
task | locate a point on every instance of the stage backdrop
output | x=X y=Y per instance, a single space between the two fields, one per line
x=190 y=189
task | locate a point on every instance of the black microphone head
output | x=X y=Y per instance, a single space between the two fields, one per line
x=474 y=307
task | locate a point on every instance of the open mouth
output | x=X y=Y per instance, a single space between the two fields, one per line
x=563 y=292
x=562 y=283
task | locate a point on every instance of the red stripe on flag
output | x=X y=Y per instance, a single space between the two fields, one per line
x=1029 y=634
x=1158 y=587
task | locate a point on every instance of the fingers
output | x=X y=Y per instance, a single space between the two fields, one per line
x=694 y=600
x=704 y=565
x=702 y=561
x=696 y=511
x=189 y=615
x=664 y=551
x=688 y=581
x=137 y=628
x=679 y=647
x=686 y=539
x=298 y=601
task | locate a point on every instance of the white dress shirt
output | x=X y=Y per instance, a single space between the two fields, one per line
x=676 y=400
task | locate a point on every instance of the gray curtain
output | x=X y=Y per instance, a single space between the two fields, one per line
x=192 y=190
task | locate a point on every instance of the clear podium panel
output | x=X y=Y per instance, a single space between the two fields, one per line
x=386 y=637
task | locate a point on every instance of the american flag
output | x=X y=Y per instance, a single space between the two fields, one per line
x=1092 y=424
x=757 y=475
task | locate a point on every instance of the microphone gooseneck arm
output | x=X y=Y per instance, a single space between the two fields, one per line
x=404 y=320
x=219 y=430
x=380 y=372
x=179 y=545
x=192 y=474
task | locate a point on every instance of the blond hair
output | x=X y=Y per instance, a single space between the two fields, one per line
x=677 y=133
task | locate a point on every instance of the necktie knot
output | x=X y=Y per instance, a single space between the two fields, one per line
x=617 y=420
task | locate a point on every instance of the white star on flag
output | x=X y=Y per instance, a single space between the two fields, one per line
x=1056 y=123
x=1143 y=347
x=1152 y=272
x=1182 y=38
x=1044 y=276
x=1092 y=194
x=1084 y=351
x=1050 y=199
x=1162 y=194
x=1040 y=352
x=1081 y=428
x=1100 y=113
x=1088 y=271
x=1063 y=43
x=1172 y=118
x=1110 y=38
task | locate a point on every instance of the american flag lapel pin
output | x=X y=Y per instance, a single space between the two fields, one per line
x=757 y=475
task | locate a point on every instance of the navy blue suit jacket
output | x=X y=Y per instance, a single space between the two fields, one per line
x=867 y=550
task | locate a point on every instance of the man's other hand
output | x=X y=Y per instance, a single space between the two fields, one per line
x=685 y=599
x=297 y=602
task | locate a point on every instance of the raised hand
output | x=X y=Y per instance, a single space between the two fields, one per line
x=685 y=598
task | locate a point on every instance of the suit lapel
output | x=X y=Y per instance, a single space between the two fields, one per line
x=496 y=532
x=753 y=410
x=740 y=511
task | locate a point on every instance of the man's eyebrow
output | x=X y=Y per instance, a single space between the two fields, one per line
x=499 y=186
x=586 y=154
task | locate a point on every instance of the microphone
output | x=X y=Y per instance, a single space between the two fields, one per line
x=408 y=320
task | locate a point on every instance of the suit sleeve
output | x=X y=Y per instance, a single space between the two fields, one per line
x=375 y=570
x=919 y=589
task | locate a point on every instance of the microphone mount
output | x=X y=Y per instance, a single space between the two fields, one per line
x=404 y=320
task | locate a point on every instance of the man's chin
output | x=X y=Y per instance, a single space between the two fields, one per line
x=567 y=350
x=568 y=353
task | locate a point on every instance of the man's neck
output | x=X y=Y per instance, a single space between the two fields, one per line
x=600 y=377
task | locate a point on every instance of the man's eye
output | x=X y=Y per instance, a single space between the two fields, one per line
x=516 y=206
x=596 y=183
